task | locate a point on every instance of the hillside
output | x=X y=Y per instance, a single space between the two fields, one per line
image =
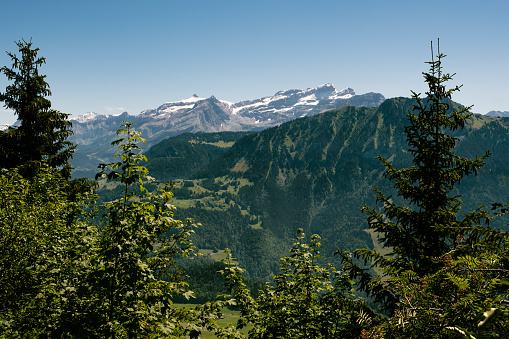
x=316 y=173
x=180 y=156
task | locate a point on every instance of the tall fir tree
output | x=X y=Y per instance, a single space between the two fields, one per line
x=43 y=132
x=423 y=223
x=427 y=225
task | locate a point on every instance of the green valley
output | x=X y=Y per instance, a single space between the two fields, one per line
x=251 y=191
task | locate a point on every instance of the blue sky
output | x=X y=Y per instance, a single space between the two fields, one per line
x=113 y=56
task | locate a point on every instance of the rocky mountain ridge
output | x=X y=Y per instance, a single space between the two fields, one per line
x=267 y=111
x=213 y=115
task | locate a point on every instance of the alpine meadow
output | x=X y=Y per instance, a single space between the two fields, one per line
x=375 y=218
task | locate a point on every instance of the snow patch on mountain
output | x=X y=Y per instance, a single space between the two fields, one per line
x=192 y=99
x=87 y=117
x=308 y=100
x=171 y=109
x=251 y=105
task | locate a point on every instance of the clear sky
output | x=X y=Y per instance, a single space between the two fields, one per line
x=111 y=56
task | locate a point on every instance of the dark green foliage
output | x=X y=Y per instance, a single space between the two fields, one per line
x=229 y=228
x=43 y=131
x=427 y=226
x=232 y=224
x=306 y=300
x=489 y=185
x=43 y=254
x=179 y=157
x=207 y=283
x=136 y=244
x=62 y=276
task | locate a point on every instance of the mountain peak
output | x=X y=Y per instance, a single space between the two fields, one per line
x=192 y=99
x=257 y=114
x=498 y=114
x=87 y=117
x=327 y=86
x=346 y=91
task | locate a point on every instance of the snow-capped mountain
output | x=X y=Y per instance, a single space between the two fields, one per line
x=213 y=115
x=88 y=117
x=93 y=131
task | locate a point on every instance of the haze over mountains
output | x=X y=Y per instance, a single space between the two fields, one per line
x=498 y=114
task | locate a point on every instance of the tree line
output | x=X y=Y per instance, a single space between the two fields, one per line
x=72 y=267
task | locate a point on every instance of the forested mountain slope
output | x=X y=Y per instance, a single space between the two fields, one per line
x=180 y=156
x=316 y=173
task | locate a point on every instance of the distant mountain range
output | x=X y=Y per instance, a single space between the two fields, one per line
x=213 y=115
x=498 y=114
x=93 y=132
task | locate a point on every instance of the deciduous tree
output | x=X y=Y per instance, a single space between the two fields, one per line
x=306 y=300
x=43 y=254
x=137 y=241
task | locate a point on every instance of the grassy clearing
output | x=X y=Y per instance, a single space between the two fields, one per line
x=217 y=256
x=378 y=246
x=221 y=143
x=183 y=203
x=257 y=226
x=230 y=317
x=108 y=185
x=240 y=166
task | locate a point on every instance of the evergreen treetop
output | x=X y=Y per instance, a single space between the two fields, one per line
x=43 y=132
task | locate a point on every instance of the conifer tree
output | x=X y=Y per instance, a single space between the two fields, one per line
x=427 y=225
x=446 y=273
x=43 y=132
